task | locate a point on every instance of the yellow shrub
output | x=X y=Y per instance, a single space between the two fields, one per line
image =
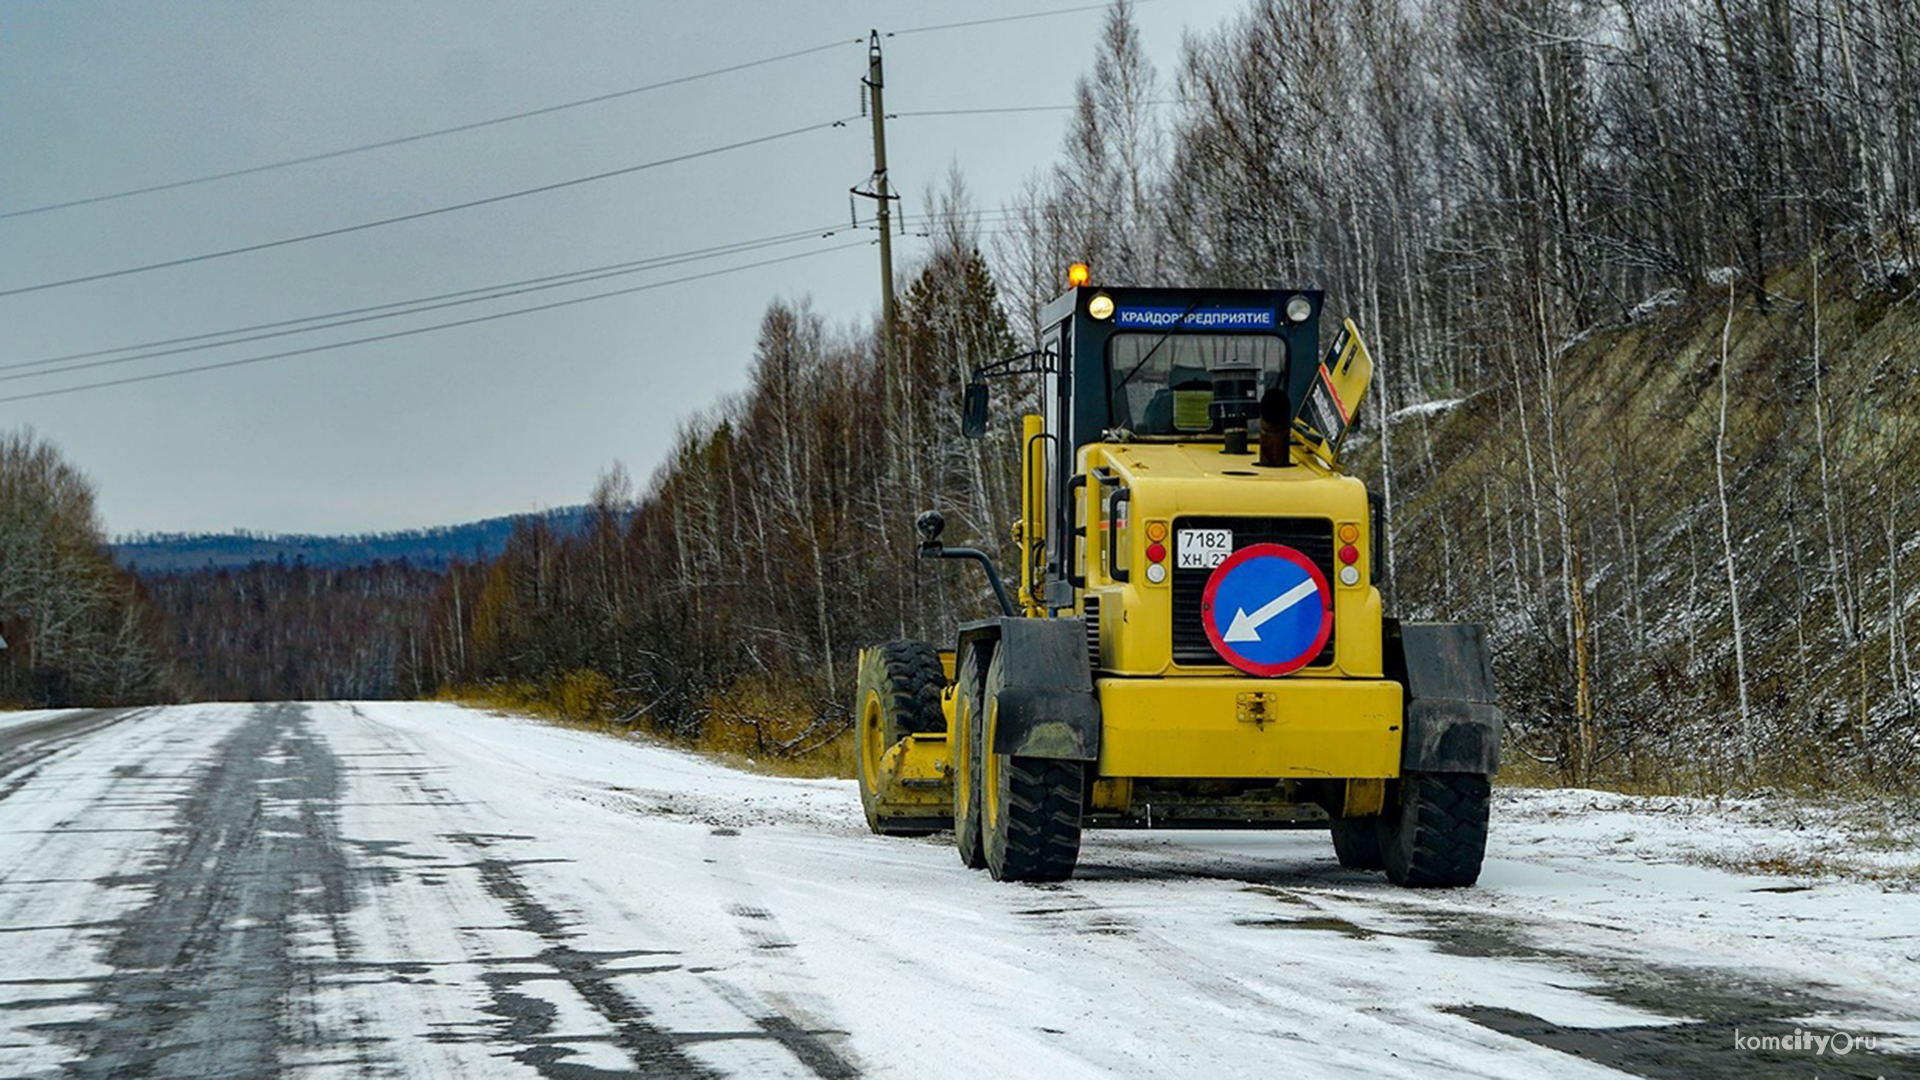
x=759 y=723
x=756 y=715
x=584 y=696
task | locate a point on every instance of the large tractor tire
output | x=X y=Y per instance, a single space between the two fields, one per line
x=1356 y=843
x=1438 y=837
x=1029 y=807
x=897 y=693
x=965 y=742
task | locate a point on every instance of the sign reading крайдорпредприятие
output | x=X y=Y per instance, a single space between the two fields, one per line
x=1164 y=318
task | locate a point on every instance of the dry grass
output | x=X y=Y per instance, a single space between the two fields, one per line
x=832 y=761
x=1701 y=779
x=532 y=700
x=755 y=727
x=1816 y=867
x=774 y=725
x=1814 y=829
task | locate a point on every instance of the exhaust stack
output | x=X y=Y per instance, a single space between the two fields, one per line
x=1276 y=412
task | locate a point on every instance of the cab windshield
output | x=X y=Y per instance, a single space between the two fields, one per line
x=1169 y=393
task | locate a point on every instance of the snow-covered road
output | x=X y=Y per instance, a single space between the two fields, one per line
x=422 y=890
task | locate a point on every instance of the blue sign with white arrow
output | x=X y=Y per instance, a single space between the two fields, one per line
x=1267 y=609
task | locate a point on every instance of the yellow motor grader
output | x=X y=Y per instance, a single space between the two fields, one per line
x=1195 y=639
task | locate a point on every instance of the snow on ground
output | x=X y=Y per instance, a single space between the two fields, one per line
x=51 y=864
x=1665 y=298
x=515 y=899
x=12 y=720
x=776 y=892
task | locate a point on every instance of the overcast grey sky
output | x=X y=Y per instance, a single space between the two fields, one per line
x=505 y=416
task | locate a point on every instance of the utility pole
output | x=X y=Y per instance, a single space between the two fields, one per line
x=875 y=82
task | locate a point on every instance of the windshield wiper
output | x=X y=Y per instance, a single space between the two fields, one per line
x=1135 y=370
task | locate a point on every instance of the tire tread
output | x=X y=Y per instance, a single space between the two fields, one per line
x=1356 y=843
x=1441 y=840
x=971 y=694
x=1042 y=819
x=915 y=680
x=909 y=679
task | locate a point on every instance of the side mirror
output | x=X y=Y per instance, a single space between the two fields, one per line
x=973 y=411
x=931 y=524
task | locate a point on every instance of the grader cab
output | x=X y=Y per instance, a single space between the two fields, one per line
x=1194 y=639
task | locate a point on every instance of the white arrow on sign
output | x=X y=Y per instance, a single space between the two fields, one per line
x=1247 y=627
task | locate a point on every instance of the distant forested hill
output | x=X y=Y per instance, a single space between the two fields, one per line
x=431 y=549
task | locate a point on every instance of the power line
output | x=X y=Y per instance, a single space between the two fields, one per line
x=576 y=277
x=416 y=310
x=424 y=329
x=418 y=214
x=413 y=306
x=1003 y=19
x=416 y=305
x=404 y=139
x=399 y=308
x=984 y=112
x=1017 y=109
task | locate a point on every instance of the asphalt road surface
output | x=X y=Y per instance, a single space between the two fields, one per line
x=420 y=890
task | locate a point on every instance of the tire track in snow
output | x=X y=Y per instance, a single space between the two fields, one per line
x=1708 y=1007
x=204 y=975
x=761 y=929
x=25 y=748
x=654 y=1050
x=1703 y=1007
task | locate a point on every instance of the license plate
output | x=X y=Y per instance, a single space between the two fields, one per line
x=1203 y=549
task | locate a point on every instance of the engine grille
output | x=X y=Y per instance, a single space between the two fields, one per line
x=1312 y=537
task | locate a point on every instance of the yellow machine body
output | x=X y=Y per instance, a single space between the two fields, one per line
x=1165 y=719
x=1111 y=675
